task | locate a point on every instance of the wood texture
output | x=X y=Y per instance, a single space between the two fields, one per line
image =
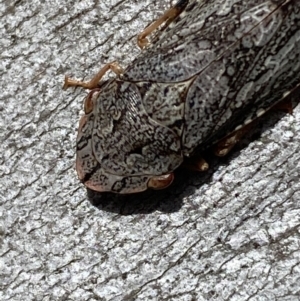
x=229 y=234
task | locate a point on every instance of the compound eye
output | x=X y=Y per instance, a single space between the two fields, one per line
x=89 y=101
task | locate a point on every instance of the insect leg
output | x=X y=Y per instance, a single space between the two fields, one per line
x=93 y=83
x=196 y=163
x=224 y=146
x=168 y=16
x=161 y=182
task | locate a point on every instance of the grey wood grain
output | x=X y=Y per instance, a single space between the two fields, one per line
x=230 y=234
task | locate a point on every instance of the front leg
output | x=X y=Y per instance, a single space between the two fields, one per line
x=93 y=83
x=168 y=17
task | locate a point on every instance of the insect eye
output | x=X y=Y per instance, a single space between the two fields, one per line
x=89 y=101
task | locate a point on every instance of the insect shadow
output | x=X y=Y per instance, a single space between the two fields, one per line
x=185 y=184
x=167 y=200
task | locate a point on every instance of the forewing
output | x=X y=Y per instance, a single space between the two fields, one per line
x=198 y=36
x=240 y=57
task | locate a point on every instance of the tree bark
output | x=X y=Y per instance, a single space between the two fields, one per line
x=232 y=233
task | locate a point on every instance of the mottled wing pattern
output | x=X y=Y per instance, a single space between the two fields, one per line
x=215 y=68
x=125 y=140
x=238 y=58
x=119 y=147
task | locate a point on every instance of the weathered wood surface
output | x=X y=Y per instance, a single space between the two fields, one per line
x=230 y=234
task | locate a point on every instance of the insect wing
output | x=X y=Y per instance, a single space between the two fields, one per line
x=237 y=58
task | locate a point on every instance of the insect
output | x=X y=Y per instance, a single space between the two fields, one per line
x=207 y=69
